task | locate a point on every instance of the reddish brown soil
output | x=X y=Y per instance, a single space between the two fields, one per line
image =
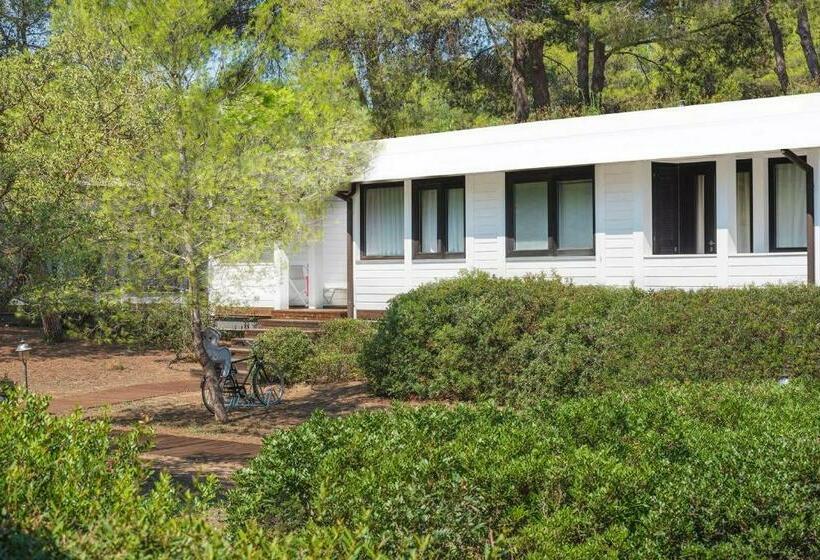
x=71 y=368
x=129 y=386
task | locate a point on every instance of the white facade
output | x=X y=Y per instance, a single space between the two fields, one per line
x=313 y=275
x=622 y=149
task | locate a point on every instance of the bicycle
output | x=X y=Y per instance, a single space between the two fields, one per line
x=267 y=387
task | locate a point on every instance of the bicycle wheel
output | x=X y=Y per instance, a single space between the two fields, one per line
x=206 y=394
x=268 y=385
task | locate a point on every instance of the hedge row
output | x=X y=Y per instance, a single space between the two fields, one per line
x=698 y=471
x=70 y=488
x=478 y=336
x=332 y=355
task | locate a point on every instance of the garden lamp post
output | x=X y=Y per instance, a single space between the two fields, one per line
x=24 y=350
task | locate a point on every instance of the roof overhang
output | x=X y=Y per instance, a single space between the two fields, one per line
x=755 y=125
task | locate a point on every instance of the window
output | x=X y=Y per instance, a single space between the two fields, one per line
x=382 y=220
x=743 y=182
x=438 y=218
x=683 y=208
x=551 y=212
x=787 y=206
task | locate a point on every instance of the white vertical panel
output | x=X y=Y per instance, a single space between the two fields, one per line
x=600 y=225
x=725 y=215
x=760 y=203
x=642 y=217
x=813 y=159
x=469 y=220
x=408 y=233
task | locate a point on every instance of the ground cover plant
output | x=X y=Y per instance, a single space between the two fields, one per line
x=331 y=355
x=695 y=471
x=522 y=339
x=71 y=488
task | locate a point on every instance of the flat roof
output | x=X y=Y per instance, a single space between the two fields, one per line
x=753 y=125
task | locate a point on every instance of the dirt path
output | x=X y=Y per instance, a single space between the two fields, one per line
x=150 y=387
x=117 y=395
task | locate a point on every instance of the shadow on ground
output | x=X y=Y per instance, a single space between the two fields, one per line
x=186 y=412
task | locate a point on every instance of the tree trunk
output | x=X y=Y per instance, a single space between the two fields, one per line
x=519 y=85
x=777 y=42
x=807 y=41
x=538 y=74
x=598 y=70
x=208 y=367
x=52 y=326
x=582 y=61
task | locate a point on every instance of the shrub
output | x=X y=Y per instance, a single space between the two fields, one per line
x=153 y=325
x=338 y=346
x=722 y=471
x=331 y=356
x=518 y=339
x=70 y=488
x=286 y=349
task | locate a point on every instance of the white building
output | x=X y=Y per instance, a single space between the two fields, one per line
x=684 y=197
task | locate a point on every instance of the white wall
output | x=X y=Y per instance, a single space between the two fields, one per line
x=623 y=248
x=623 y=223
x=250 y=285
x=266 y=284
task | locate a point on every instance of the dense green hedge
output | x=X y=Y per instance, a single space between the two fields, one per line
x=511 y=339
x=332 y=355
x=697 y=471
x=69 y=488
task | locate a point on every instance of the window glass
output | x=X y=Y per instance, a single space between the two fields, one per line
x=428 y=207
x=455 y=220
x=744 y=211
x=575 y=229
x=531 y=227
x=683 y=209
x=384 y=221
x=790 y=206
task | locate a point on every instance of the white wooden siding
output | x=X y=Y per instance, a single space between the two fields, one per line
x=623 y=233
x=252 y=285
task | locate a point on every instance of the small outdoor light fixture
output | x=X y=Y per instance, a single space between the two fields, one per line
x=24 y=350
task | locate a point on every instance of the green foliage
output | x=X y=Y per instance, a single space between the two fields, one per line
x=286 y=350
x=71 y=488
x=151 y=325
x=518 y=339
x=722 y=471
x=338 y=347
x=331 y=356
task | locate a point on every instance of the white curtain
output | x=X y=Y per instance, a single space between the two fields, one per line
x=790 y=204
x=744 y=212
x=384 y=222
x=530 y=216
x=575 y=229
x=455 y=220
x=429 y=220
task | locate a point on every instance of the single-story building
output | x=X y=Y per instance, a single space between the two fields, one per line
x=684 y=197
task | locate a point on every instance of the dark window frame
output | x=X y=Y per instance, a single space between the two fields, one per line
x=709 y=169
x=552 y=176
x=745 y=165
x=363 y=190
x=773 y=248
x=442 y=185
